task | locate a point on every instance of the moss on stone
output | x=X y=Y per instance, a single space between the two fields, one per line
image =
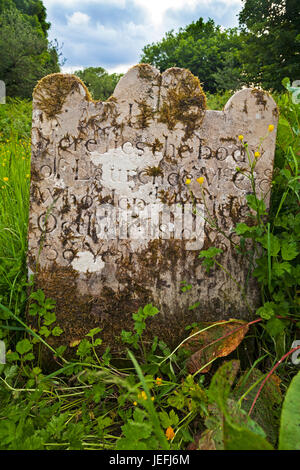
x=51 y=92
x=185 y=103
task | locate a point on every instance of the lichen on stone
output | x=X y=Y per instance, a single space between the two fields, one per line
x=185 y=102
x=51 y=92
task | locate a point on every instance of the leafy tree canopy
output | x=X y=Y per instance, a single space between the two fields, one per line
x=210 y=52
x=100 y=83
x=25 y=54
x=34 y=10
x=271 y=41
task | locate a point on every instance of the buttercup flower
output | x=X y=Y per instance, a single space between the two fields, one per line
x=188 y=181
x=135 y=403
x=241 y=137
x=5 y=178
x=142 y=395
x=200 y=179
x=257 y=154
x=170 y=433
x=271 y=128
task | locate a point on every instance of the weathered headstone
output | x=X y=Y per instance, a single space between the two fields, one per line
x=113 y=224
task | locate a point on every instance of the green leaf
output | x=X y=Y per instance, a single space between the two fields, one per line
x=195 y=305
x=267 y=311
x=149 y=310
x=279 y=269
x=94 y=332
x=221 y=383
x=272 y=243
x=39 y=296
x=289 y=435
x=239 y=438
x=28 y=357
x=210 y=253
x=57 y=331
x=289 y=250
x=84 y=348
x=44 y=331
x=24 y=346
x=49 y=318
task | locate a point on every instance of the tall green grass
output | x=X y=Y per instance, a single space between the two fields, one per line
x=15 y=124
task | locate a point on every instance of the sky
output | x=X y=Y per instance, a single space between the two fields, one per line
x=112 y=33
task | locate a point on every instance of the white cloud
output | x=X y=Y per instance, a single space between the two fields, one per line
x=78 y=19
x=112 y=33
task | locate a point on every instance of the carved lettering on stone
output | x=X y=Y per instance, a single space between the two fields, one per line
x=113 y=224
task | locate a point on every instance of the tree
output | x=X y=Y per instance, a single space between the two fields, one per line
x=24 y=52
x=209 y=52
x=34 y=10
x=100 y=83
x=272 y=41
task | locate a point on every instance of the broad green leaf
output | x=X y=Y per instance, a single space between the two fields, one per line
x=236 y=438
x=289 y=250
x=272 y=244
x=24 y=346
x=289 y=435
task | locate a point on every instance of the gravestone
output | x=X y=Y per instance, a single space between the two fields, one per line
x=114 y=224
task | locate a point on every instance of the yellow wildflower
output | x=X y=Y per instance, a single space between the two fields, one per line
x=135 y=403
x=200 y=179
x=5 y=178
x=142 y=395
x=241 y=137
x=188 y=181
x=170 y=433
x=27 y=176
x=271 y=128
x=257 y=154
x=158 y=380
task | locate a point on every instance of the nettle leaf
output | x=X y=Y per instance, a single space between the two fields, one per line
x=24 y=346
x=289 y=250
x=289 y=436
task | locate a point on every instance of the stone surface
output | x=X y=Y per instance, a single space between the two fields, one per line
x=113 y=225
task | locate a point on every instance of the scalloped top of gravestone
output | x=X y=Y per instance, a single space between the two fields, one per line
x=113 y=224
